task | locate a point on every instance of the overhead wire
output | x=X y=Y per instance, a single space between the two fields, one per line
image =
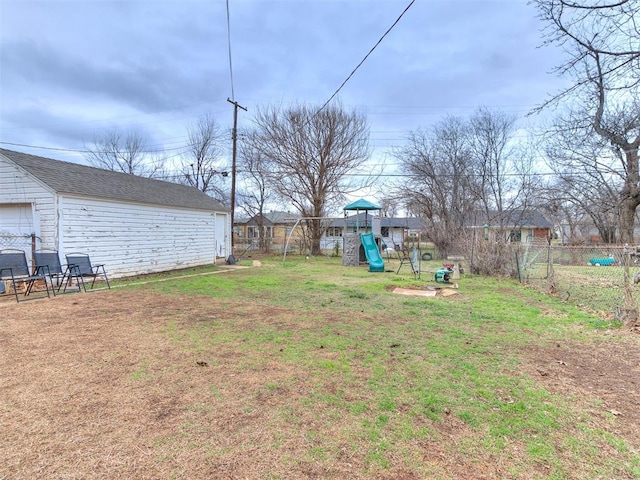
x=229 y=44
x=223 y=170
x=365 y=57
x=76 y=150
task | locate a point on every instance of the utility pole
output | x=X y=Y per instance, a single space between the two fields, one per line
x=234 y=139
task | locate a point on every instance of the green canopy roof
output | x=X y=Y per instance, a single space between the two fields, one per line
x=362 y=204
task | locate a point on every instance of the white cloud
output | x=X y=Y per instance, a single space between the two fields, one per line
x=68 y=68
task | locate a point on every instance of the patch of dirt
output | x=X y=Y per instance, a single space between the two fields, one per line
x=603 y=372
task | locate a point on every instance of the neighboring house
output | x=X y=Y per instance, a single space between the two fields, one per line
x=524 y=226
x=276 y=227
x=584 y=232
x=393 y=231
x=133 y=225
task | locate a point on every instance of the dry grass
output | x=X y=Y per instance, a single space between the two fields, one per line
x=116 y=384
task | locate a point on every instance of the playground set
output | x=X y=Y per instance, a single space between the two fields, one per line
x=363 y=245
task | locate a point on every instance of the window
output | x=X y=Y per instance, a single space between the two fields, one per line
x=254 y=232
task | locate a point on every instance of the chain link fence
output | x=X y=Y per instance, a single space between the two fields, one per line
x=18 y=242
x=598 y=279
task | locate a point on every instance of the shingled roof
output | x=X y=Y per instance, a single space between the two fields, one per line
x=75 y=179
x=409 y=223
x=514 y=218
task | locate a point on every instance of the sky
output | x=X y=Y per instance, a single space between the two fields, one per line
x=72 y=70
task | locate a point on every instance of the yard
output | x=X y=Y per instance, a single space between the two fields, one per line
x=314 y=370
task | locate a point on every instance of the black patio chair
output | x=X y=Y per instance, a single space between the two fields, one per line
x=48 y=261
x=17 y=278
x=80 y=264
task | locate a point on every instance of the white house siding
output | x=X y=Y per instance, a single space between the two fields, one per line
x=20 y=190
x=131 y=238
x=395 y=237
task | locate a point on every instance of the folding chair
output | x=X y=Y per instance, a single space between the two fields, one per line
x=15 y=272
x=49 y=263
x=80 y=264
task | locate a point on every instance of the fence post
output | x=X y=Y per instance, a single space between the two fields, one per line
x=630 y=310
x=551 y=281
x=33 y=248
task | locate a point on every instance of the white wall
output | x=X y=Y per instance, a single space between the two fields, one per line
x=37 y=203
x=222 y=234
x=130 y=238
x=396 y=237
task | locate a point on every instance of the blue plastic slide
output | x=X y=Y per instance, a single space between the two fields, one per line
x=376 y=264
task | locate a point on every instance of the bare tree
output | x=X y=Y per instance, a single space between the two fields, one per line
x=602 y=41
x=506 y=178
x=124 y=152
x=256 y=192
x=588 y=174
x=201 y=164
x=390 y=205
x=466 y=171
x=439 y=169
x=565 y=214
x=491 y=145
x=311 y=154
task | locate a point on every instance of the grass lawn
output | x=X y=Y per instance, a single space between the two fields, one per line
x=314 y=370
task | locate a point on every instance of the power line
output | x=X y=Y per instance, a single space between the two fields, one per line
x=365 y=57
x=229 y=43
x=224 y=172
x=72 y=150
x=471 y=175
